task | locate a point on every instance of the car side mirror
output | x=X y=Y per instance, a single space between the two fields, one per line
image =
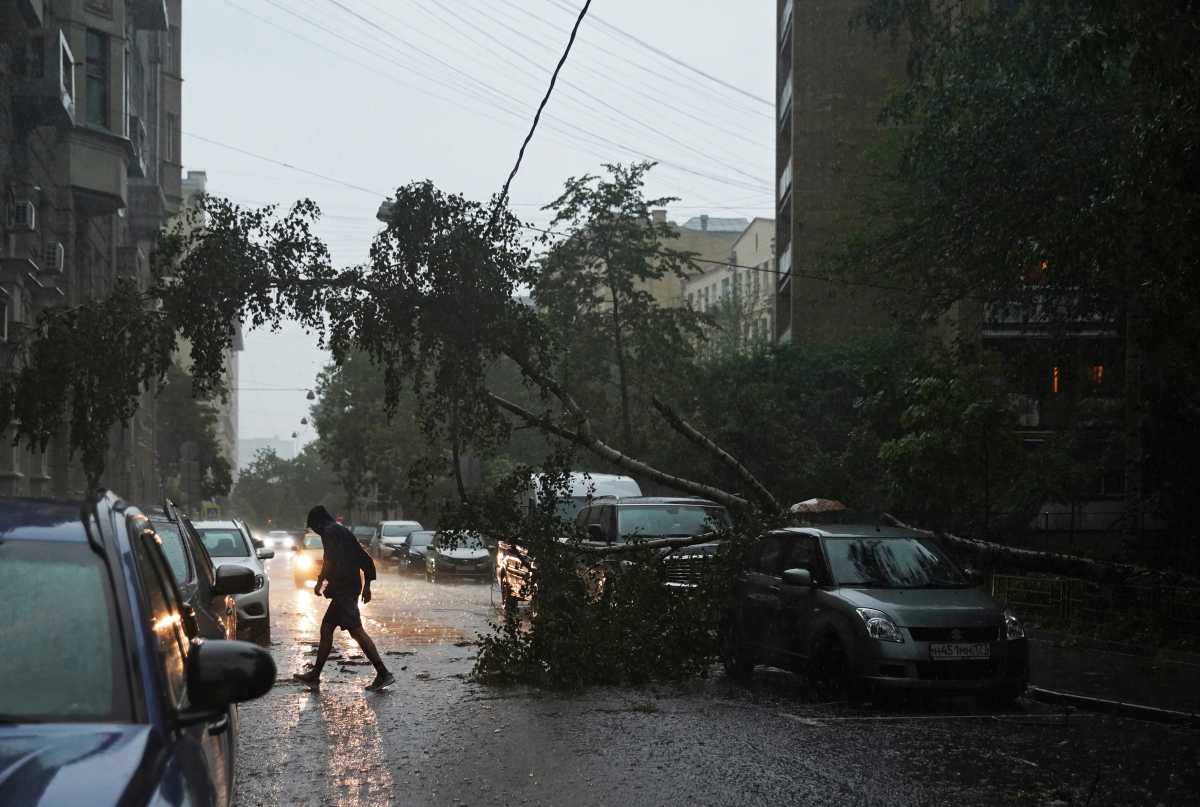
x=223 y=672
x=595 y=532
x=798 y=577
x=234 y=579
x=265 y=554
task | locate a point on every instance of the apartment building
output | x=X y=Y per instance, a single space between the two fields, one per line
x=740 y=291
x=90 y=106
x=833 y=79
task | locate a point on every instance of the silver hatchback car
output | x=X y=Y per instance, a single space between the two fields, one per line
x=870 y=607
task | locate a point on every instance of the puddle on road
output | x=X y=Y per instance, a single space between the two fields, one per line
x=412 y=628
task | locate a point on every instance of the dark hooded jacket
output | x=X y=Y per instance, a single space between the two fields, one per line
x=344 y=555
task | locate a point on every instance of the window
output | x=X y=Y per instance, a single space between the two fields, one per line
x=97 y=68
x=767 y=556
x=724 y=288
x=172 y=144
x=175 y=552
x=667 y=520
x=804 y=553
x=162 y=609
x=62 y=593
x=225 y=543
x=689 y=299
x=1097 y=374
x=1055 y=380
x=891 y=563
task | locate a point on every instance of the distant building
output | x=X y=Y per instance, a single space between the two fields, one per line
x=247 y=449
x=740 y=291
x=90 y=108
x=710 y=238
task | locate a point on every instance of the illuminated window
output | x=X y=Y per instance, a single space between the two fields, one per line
x=1056 y=380
x=1097 y=374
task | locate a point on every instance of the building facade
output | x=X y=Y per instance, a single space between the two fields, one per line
x=739 y=292
x=90 y=109
x=832 y=81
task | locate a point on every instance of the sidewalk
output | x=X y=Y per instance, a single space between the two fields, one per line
x=1115 y=671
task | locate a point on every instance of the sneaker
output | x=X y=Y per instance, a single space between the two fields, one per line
x=382 y=681
x=311 y=678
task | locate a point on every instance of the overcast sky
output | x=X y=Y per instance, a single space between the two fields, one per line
x=378 y=93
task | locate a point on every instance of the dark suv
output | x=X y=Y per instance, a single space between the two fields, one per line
x=863 y=606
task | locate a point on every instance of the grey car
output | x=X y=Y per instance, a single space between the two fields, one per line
x=871 y=608
x=227 y=543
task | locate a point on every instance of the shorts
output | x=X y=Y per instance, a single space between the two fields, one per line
x=343 y=611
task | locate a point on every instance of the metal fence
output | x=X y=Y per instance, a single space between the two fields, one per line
x=1067 y=600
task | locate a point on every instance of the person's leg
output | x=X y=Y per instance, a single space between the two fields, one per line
x=369 y=650
x=325 y=647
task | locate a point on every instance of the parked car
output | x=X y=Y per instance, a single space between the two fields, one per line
x=871 y=607
x=280 y=539
x=110 y=699
x=307 y=562
x=457 y=555
x=212 y=603
x=409 y=556
x=389 y=535
x=578 y=490
x=364 y=533
x=227 y=544
x=613 y=519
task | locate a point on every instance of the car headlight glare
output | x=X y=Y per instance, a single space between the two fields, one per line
x=304 y=563
x=880 y=626
x=1012 y=627
x=259 y=581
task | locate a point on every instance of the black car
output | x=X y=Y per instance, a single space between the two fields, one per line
x=364 y=533
x=409 y=555
x=461 y=556
x=109 y=695
x=211 y=602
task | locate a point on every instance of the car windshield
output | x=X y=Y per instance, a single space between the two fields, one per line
x=399 y=530
x=421 y=538
x=363 y=532
x=225 y=543
x=661 y=520
x=62 y=593
x=891 y=563
x=460 y=542
x=313 y=541
x=172 y=547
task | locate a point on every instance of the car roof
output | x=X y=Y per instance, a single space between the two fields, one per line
x=864 y=530
x=35 y=519
x=404 y=523
x=644 y=500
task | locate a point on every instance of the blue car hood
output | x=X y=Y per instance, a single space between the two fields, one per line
x=67 y=764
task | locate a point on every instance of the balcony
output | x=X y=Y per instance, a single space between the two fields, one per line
x=45 y=81
x=97 y=169
x=785 y=268
x=149 y=15
x=138 y=140
x=1039 y=313
x=147 y=209
x=785 y=101
x=785 y=182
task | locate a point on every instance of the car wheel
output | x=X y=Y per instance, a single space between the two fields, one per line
x=736 y=657
x=829 y=668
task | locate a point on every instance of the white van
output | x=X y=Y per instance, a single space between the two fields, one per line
x=582 y=487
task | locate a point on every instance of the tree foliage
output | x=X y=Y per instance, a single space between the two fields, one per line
x=182 y=419
x=278 y=492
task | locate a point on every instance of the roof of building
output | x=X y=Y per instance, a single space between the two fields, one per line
x=711 y=224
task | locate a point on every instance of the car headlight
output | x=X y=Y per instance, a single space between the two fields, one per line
x=1012 y=627
x=259 y=581
x=880 y=626
x=304 y=563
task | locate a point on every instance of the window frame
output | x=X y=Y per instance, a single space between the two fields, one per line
x=97 y=72
x=147 y=553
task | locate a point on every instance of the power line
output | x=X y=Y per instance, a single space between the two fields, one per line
x=676 y=60
x=239 y=150
x=545 y=100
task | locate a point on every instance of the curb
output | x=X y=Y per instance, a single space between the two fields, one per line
x=1134 y=710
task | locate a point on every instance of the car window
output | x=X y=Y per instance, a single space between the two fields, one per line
x=891 y=563
x=399 y=530
x=200 y=553
x=584 y=517
x=668 y=520
x=768 y=557
x=163 y=611
x=421 y=538
x=64 y=597
x=225 y=543
x=174 y=550
x=803 y=552
x=312 y=541
x=459 y=541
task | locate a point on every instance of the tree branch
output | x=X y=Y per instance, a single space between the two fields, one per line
x=703 y=441
x=585 y=439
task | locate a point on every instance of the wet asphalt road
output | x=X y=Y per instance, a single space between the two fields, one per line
x=437 y=738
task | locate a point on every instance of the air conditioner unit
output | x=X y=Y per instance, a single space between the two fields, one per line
x=53 y=257
x=22 y=216
x=45 y=87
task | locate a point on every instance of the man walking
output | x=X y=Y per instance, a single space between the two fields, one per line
x=339 y=581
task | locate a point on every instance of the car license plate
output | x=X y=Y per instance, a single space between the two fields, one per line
x=952 y=652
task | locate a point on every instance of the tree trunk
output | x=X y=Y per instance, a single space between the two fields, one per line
x=619 y=346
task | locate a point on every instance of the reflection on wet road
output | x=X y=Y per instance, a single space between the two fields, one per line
x=437 y=738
